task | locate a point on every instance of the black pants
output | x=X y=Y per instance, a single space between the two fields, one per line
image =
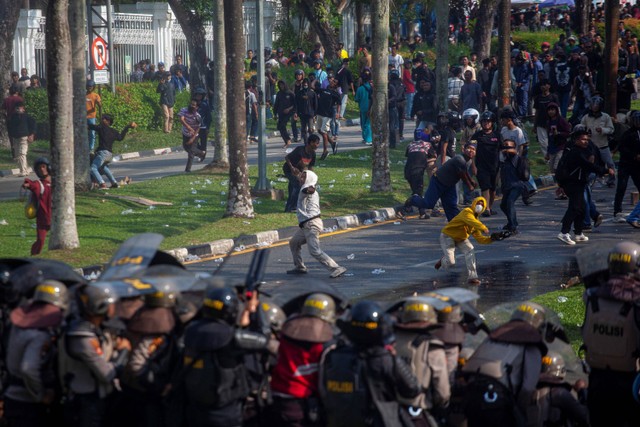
x=294 y=190
x=203 y=134
x=610 y=401
x=416 y=181
x=306 y=127
x=283 y=120
x=192 y=151
x=624 y=172
x=294 y=128
x=401 y=119
x=576 y=209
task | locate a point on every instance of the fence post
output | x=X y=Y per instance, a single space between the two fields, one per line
x=162 y=22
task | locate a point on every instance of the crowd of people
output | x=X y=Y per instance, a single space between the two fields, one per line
x=152 y=344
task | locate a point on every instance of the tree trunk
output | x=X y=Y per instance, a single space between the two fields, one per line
x=193 y=28
x=360 y=17
x=612 y=14
x=64 y=233
x=318 y=14
x=504 y=53
x=221 y=153
x=9 y=15
x=483 y=27
x=78 y=27
x=239 y=203
x=380 y=175
x=583 y=9
x=442 y=51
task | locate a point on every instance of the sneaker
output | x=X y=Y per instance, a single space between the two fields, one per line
x=202 y=156
x=634 y=224
x=581 y=238
x=368 y=143
x=438 y=264
x=527 y=201
x=565 y=237
x=103 y=186
x=114 y=185
x=338 y=272
x=297 y=271
x=475 y=281
x=620 y=218
x=598 y=221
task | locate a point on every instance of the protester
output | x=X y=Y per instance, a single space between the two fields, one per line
x=22 y=131
x=302 y=158
x=191 y=122
x=41 y=191
x=107 y=135
x=94 y=103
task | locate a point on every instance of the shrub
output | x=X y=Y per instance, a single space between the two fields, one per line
x=137 y=102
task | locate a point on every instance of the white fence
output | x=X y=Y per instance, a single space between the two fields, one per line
x=142 y=31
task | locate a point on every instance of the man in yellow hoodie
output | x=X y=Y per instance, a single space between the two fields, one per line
x=456 y=235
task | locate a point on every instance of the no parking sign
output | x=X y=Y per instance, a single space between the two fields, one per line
x=99 y=53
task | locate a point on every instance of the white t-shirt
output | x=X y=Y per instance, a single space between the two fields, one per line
x=396 y=61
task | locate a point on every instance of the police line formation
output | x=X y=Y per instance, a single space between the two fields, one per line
x=151 y=344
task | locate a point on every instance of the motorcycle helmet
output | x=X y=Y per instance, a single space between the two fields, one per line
x=470 y=113
x=221 y=303
x=41 y=161
x=96 y=298
x=416 y=310
x=52 y=292
x=321 y=306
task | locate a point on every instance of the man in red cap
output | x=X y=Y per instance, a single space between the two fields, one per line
x=544 y=47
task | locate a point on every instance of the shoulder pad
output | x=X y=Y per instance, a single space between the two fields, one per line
x=80 y=328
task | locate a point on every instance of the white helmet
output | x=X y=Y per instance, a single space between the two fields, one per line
x=470 y=113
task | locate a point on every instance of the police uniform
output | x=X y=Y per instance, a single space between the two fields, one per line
x=553 y=405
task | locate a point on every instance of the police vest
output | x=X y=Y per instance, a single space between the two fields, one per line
x=499 y=360
x=610 y=333
x=413 y=348
x=343 y=388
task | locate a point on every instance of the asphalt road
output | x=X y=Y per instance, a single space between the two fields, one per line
x=142 y=169
x=518 y=268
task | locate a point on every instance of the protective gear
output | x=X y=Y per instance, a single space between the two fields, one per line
x=274 y=314
x=165 y=296
x=299 y=73
x=221 y=303
x=52 y=292
x=635 y=119
x=624 y=258
x=530 y=312
x=41 y=161
x=610 y=333
x=321 y=306
x=487 y=116
x=96 y=298
x=450 y=314
x=553 y=364
x=479 y=209
x=416 y=310
x=368 y=325
x=471 y=113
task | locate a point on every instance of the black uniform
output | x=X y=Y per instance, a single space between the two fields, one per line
x=487 y=158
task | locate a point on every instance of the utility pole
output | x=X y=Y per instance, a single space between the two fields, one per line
x=504 y=53
x=442 y=51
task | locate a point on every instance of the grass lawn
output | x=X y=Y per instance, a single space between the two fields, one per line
x=569 y=306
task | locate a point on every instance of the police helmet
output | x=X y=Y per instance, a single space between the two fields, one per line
x=553 y=364
x=487 y=116
x=274 y=314
x=95 y=299
x=165 y=296
x=470 y=113
x=635 y=119
x=221 y=303
x=597 y=101
x=531 y=313
x=624 y=258
x=299 y=72
x=450 y=314
x=416 y=310
x=368 y=325
x=41 y=161
x=321 y=306
x=52 y=292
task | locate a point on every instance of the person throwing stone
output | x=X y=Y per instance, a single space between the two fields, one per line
x=310 y=225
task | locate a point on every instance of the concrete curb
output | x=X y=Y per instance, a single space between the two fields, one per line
x=261 y=239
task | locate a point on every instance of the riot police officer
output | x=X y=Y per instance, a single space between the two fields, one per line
x=360 y=381
x=503 y=371
x=294 y=379
x=611 y=334
x=32 y=379
x=90 y=359
x=215 y=376
x=425 y=353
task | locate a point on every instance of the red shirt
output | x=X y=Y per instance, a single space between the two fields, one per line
x=10 y=104
x=43 y=214
x=296 y=373
x=407 y=82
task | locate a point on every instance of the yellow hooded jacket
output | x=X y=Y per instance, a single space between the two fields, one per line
x=466 y=223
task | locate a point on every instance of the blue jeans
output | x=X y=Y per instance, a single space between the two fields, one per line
x=436 y=190
x=508 y=205
x=293 y=190
x=564 y=102
x=407 y=108
x=92 y=133
x=635 y=214
x=335 y=123
x=100 y=166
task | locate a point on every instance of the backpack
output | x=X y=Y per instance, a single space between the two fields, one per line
x=611 y=334
x=563 y=174
x=343 y=388
x=32 y=204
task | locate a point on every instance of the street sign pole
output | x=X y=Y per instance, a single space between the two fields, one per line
x=110 y=44
x=262 y=183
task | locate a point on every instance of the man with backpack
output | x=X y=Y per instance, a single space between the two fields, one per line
x=572 y=176
x=360 y=381
x=611 y=335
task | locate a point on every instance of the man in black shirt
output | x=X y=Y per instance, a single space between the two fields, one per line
x=104 y=153
x=489 y=143
x=328 y=98
x=284 y=109
x=345 y=82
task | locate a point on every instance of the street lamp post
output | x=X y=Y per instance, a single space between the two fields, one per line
x=262 y=184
